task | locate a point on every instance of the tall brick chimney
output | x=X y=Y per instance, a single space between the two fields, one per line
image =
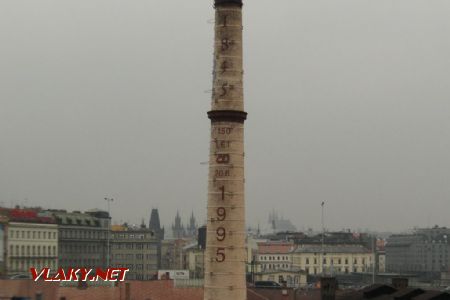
x=225 y=254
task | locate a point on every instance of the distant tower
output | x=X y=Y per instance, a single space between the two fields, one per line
x=192 y=229
x=225 y=255
x=177 y=227
x=154 y=224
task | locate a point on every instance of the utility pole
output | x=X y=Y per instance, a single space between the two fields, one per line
x=323 y=237
x=108 y=200
x=374 y=254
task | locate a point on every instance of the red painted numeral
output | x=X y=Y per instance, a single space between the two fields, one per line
x=221 y=234
x=223 y=158
x=220 y=254
x=221 y=213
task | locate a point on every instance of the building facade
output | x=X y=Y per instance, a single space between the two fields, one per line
x=138 y=249
x=82 y=238
x=332 y=259
x=3 y=222
x=425 y=251
x=194 y=260
x=172 y=254
x=274 y=255
x=381 y=261
x=32 y=241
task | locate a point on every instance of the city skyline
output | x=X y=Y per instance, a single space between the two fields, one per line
x=349 y=106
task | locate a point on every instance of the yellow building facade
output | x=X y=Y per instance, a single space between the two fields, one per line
x=332 y=259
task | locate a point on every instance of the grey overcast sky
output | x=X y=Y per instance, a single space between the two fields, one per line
x=348 y=102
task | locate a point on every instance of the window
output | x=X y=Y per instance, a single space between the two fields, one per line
x=307 y=261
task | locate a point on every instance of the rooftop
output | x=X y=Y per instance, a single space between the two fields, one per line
x=331 y=249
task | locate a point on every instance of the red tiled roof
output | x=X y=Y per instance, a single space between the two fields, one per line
x=145 y=290
x=275 y=247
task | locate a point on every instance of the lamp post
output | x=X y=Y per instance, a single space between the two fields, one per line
x=108 y=200
x=323 y=237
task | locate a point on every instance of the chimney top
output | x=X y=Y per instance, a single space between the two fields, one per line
x=221 y=2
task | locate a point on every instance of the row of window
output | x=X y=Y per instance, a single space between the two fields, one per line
x=132 y=256
x=268 y=258
x=82 y=248
x=32 y=234
x=338 y=270
x=138 y=267
x=16 y=250
x=20 y=265
x=138 y=236
x=85 y=262
x=138 y=246
x=84 y=234
x=86 y=222
x=275 y=266
x=335 y=261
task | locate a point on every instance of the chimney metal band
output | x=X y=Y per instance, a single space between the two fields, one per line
x=227 y=116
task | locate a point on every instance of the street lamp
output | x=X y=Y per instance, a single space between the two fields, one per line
x=323 y=238
x=108 y=200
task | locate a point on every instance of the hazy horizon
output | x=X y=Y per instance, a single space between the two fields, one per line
x=348 y=103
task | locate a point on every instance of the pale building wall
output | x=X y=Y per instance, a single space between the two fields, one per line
x=137 y=250
x=382 y=263
x=252 y=253
x=31 y=245
x=195 y=262
x=274 y=261
x=336 y=262
x=2 y=247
